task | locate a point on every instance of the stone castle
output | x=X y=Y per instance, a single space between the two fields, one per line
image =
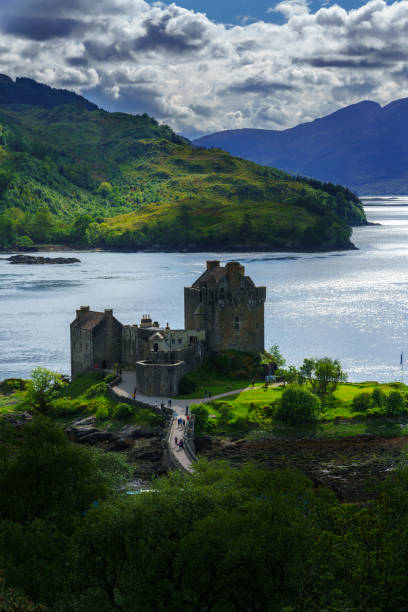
x=223 y=310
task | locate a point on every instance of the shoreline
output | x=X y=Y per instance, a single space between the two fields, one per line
x=60 y=248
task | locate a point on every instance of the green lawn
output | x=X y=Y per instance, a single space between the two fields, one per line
x=9 y=403
x=240 y=413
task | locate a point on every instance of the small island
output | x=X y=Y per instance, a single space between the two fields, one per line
x=35 y=260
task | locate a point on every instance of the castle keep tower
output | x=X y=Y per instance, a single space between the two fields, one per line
x=228 y=305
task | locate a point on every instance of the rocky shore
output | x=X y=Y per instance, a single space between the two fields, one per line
x=346 y=466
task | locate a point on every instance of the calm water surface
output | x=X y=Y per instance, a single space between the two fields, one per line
x=349 y=305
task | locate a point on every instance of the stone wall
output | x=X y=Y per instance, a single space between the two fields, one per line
x=107 y=342
x=160 y=379
x=81 y=350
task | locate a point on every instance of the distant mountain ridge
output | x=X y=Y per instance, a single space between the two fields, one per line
x=363 y=146
x=29 y=92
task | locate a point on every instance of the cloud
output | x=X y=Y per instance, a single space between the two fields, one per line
x=41 y=28
x=201 y=76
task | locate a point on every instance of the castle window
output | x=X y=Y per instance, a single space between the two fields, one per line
x=155 y=348
x=179 y=341
x=173 y=341
x=236 y=323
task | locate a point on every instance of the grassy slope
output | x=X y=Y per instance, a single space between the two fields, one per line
x=61 y=155
x=83 y=399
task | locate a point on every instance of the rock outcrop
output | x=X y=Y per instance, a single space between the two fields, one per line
x=33 y=259
x=143 y=446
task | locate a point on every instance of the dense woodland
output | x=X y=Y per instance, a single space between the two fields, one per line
x=73 y=174
x=220 y=539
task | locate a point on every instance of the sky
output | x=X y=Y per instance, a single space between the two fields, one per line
x=209 y=65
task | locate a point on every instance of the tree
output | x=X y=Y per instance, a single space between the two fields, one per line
x=42 y=224
x=307 y=368
x=395 y=403
x=80 y=227
x=289 y=375
x=327 y=374
x=104 y=189
x=361 y=402
x=273 y=356
x=42 y=389
x=200 y=419
x=298 y=405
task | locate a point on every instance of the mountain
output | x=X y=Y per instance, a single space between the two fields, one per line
x=72 y=173
x=363 y=146
x=27 y=91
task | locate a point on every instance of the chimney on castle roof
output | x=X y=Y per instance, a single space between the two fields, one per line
x=108 y=312
x=80 y=313
x=212 y=264
x=234 y=269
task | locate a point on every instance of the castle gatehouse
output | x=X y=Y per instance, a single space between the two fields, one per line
x=223 y=310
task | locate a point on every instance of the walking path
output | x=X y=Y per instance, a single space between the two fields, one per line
x=126 y=387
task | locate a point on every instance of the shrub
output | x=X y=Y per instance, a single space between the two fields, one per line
x=395 y=403
x=225 y=411
x=9 y=385
x=95 y=390
x=379 y=398
x=298 y=405
x=200 y=419
x=122 y=411
x=187 y=385
x=109 y=378
x=102 y=412
x=361 y=402
x=64 y=406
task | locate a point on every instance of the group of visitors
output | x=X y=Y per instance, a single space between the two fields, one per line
x=179 y=442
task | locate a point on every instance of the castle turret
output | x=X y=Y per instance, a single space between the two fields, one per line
x=228 y=305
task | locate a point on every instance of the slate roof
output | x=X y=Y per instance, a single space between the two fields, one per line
x=218 y=273
x=89 y=319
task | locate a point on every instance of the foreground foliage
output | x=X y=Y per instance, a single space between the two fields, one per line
x=217 y=540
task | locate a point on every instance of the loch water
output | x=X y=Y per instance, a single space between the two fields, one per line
x=352 y=305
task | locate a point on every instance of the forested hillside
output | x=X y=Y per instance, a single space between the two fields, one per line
x=82 y=176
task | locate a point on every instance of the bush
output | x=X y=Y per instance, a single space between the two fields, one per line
x=9 y=385
x=110 y=378
x=379 y=398
x=122 y=411
x=95 y=390
x=361 y=402
x=65 y=406
x=298 y=405
x=102 y=412
x=225 y=411
x=395 y=403
x=200 y=419
x=187 y=385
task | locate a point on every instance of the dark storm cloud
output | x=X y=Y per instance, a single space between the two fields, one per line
x=254 y=85
x=338 y=62
x=356 y=90
x=41 y=28
x=106 y=53
x=202 y=111
x=137 y=100
x=158 y=36
x=76 y=61
x=390 y=53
